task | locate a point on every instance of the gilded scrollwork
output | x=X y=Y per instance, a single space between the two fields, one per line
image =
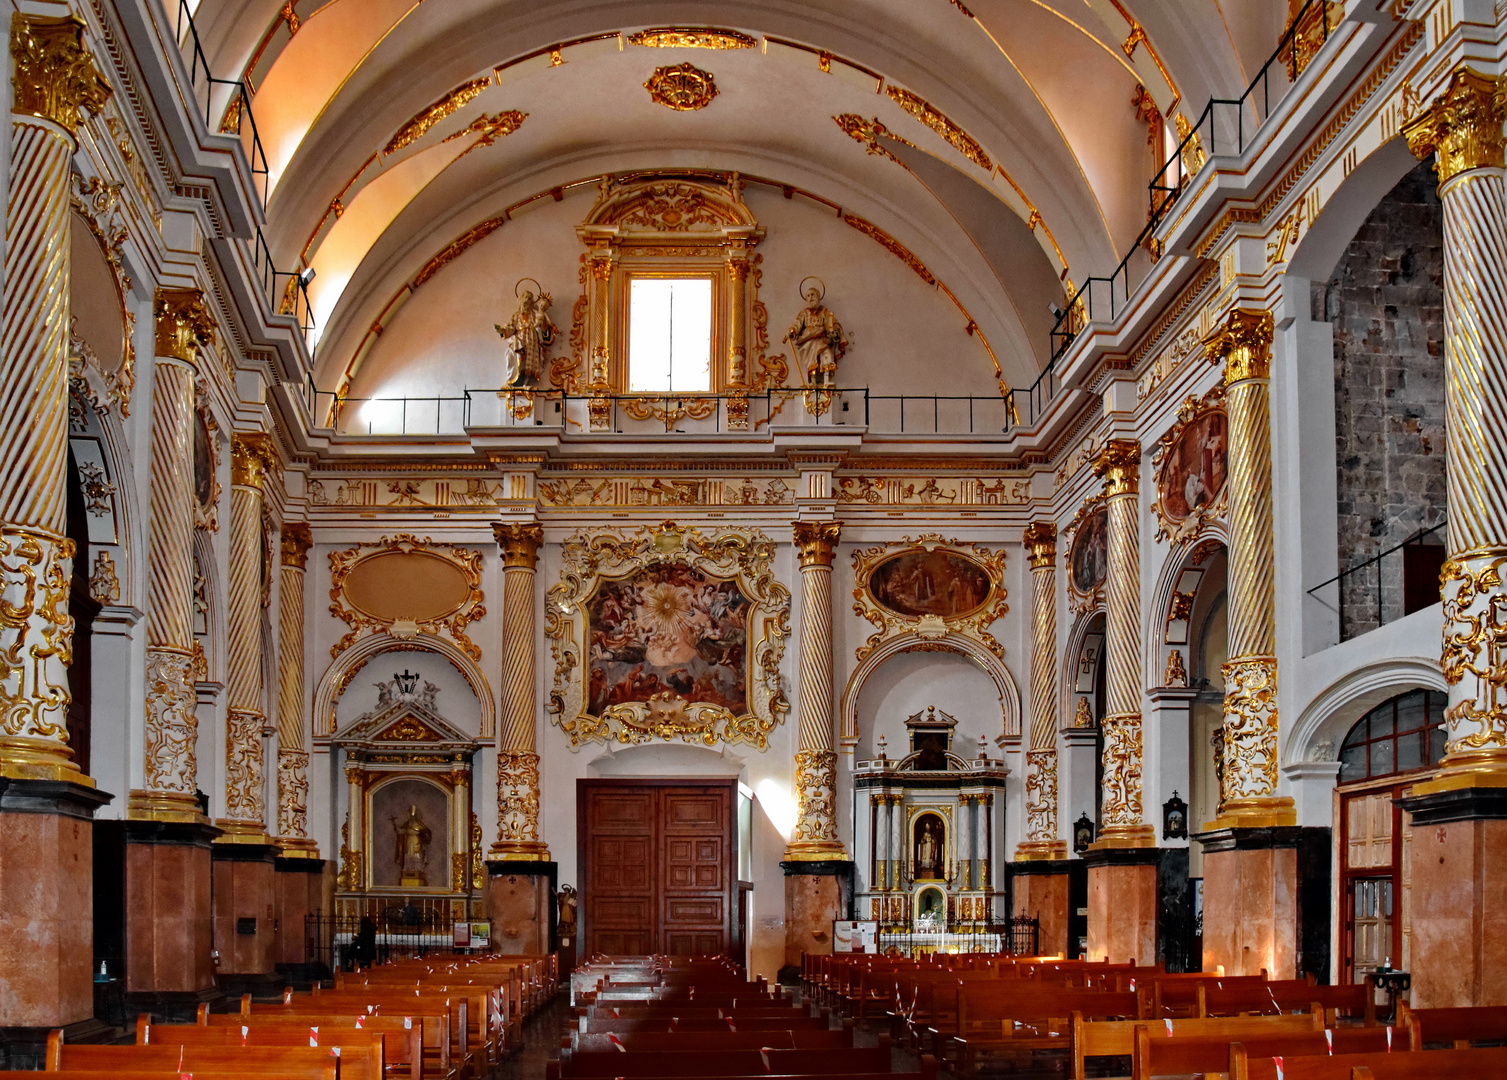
x=36 y=633
x=517 y=796
x=816 y=795
x=243 y=766
x=292 y=793
x=1041 y=795
x=350 y=875
x=466 y=561
x=682 y=87
x=1122 y=770
x=97 y=204
x=670 y=37
x=172 y=722
x=1250 y=728
x=1475 y=639
x=964 y=562
x=1191 y=481
x=742 y=556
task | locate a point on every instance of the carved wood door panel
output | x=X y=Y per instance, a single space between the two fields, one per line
x=656 y=866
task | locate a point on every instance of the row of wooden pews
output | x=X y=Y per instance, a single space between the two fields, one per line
x=977 y=1012
x=437 y=1018
x=663 y=1017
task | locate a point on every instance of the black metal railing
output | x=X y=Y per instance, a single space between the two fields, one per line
x=1019 y=935
x=337 y=943
x=1389 y=585
x=1222 y=128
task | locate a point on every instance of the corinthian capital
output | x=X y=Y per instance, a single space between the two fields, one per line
x=816 y=541
x=251 y=456
x=53 y=75
x=1244 y=343
x=297 y=540
x=520 y=542
x=183 y=323
x=1463 y=127
x=1041 y=544
x=1119 y=463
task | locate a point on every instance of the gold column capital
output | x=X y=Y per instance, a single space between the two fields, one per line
x=1041 y=544
x=182 y=323
x=1463 y=127
x=520 y=542
x=252 y=456
x=297 y=540
x=1119 y=464
x=816 y=541
x=52 y=73
x=1244 y=343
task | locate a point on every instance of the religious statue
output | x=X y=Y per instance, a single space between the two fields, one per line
x=566 y=898
x=1176 y=674
x=816 y=337
x=526 y=337
x=928 y=839
x=412 y=850
x=1082 y=718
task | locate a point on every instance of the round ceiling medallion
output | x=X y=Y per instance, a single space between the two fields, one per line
x=683 y=87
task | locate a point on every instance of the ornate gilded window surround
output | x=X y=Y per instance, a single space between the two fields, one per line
x=745 y=556
x=889 y=622
x=466 y=563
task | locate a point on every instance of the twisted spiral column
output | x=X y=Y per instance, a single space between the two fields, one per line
x=1041 y=753
x=53 y=82
x=1248 y=795
x=815 y=838
x=1463 y=130
x=517 y=756
x=1119 y=463
x=182 y=327
x=292 y=747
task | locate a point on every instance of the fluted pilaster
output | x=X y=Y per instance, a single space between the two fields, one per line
x=1042 y=841
x=517 y=756
x=815 y=837
x=53 y=83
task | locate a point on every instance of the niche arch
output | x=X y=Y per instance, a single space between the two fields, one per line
x=1087 y=633
x=977 y=651
x=337 y=677
x=1169 y=619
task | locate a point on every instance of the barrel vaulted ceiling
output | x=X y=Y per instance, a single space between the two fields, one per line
x=1007 y=143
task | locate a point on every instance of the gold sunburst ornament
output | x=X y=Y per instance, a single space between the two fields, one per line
x=682 y=87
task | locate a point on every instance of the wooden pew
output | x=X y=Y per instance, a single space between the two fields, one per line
x=728 y=1063
x=436 y=1025
x=1116 y=1038
x=703 y=1041
x=402 y=1042
x=680 y=1022
x=281 y=1061
x=1180 y=1055
x=1423 y=1065
x=1030 y=1019
x=1459 y=1027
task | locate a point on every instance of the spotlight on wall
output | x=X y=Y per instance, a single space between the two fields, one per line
x=1054 y=309
x=305 y=276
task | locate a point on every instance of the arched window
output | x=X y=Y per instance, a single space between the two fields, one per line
x=1399 y=735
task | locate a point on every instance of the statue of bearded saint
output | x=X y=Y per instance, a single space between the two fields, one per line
x=816 y=337
x=525 y=339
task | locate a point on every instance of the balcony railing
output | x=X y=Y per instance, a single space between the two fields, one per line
x=1396 y=582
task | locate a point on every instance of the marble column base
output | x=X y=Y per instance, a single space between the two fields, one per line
x=46 y=918
x=1251 y=901
x=1459 y=892
x=816 y=895
x=1122 y=907
x=1041 y=891
x=298 y=891
x=521 y=906
x=168 y=914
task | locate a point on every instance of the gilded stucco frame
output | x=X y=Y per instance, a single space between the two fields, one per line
x=453 y=623
x=742 y=555
x=1078 y=600
x=1190 y=411
x=889 y=623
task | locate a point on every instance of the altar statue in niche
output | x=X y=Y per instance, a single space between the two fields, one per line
x=526 y=339
x=816 y=337
x=412 y=848
x=927 y=834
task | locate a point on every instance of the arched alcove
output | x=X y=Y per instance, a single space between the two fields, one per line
x=907 y=683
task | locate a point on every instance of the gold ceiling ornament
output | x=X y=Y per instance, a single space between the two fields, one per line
x=933 y=118
x=419 y=126
x=931 y=588
x=1192 y=490
x=182 y=323
x=670 y=37
x=890 y=244
x=682 y=87
x=458 y=247
x=1085 y=576
x=869 y=132
x=385 y=613
x=490 y=128
x=590 y=561
x=52 y=71
x=1463 y=127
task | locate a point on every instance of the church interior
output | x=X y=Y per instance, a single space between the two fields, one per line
x=1060 y=538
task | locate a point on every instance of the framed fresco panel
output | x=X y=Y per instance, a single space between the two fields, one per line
x=1192 y=464
x=1087 y=555
x=930 y=587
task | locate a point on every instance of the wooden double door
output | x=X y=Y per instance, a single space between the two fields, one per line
x=657 y=865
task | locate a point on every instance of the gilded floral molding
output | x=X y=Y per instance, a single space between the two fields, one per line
x=1190 y=463
x=466 y=561
x=930 y=587
x=682 y=87
x=207 y=502
x=742 y=558
x=670 y=37
x=932 y=117
x=416 y=128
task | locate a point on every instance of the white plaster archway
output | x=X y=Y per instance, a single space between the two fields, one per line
x=1004 y=682
x=1334 y=710
x=1154 y=632
x=1067 y=680
x=338 y=675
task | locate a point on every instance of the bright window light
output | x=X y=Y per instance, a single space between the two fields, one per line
x=670 y=335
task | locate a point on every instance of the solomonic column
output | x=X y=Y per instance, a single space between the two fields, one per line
x=292 y=745
x=1041 y=878
x=518 y=884
x=53 y=83
x=1459 y=817
x=168 y=899
x=1122 y=862
x=1251 y=881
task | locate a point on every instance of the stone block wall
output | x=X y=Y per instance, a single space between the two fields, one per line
x=1386 y=303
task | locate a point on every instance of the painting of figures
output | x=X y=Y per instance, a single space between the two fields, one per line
x=920 y=583
x=1194 y=472
x=668 y=630
x=1090 y=554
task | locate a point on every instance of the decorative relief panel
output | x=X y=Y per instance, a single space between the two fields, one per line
x=1191 y=468
x=930 y=587
x=932 y=491
x=471 y=491
x=666 y=632
x=638 y=491
x=1086 y=543
x=405 y=586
